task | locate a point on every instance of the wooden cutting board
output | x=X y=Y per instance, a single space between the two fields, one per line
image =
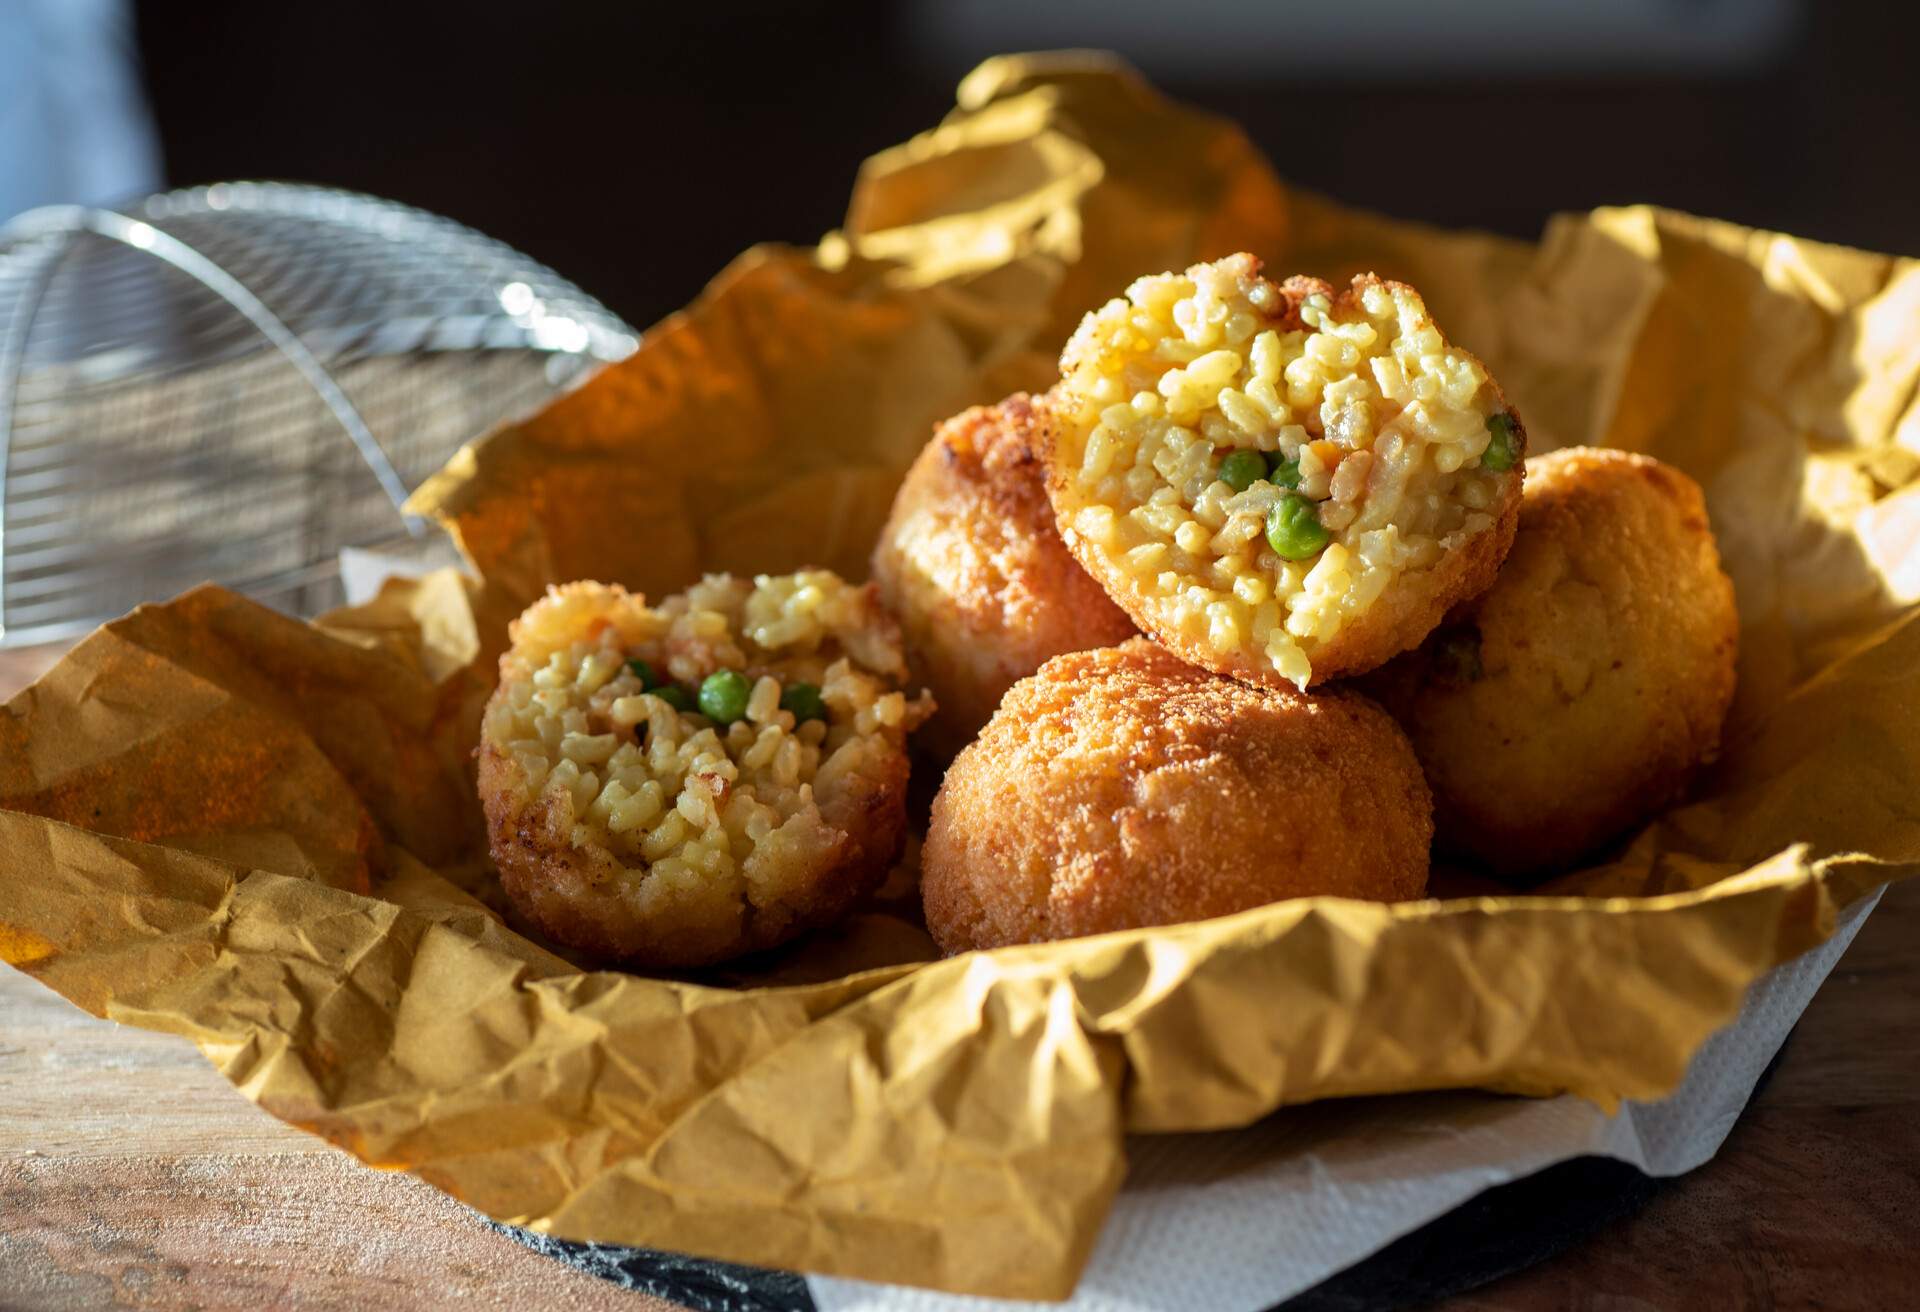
x=133 y=1175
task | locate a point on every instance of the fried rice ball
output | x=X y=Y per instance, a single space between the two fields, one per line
x=1122 y=787
x=971 y=564
x=672 y=786
x=1578 y=695
x=1280 y=483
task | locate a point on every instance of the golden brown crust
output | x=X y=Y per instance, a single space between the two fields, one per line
x=972 y=566
x=1578 y=695
x=1413 y=605
x=573 y=896
x=1121 y=788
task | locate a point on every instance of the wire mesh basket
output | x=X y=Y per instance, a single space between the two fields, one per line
x=234 y=383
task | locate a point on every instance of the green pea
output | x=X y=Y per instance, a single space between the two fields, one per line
x=1243 y=469
x=1502 y=444
x=804 y=700
x=1286 y=473
x=723 y=697
x=673 y=695
x=644 y=672
x=1294 y=529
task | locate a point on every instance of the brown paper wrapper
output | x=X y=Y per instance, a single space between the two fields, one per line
x=262 y=834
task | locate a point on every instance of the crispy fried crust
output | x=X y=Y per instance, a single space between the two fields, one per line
x=1411 y=607
x=1121 y=788
x=1578 y=695
x=571 y=894
x=972 y=566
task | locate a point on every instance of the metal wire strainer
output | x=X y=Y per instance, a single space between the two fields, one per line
x=236 y=382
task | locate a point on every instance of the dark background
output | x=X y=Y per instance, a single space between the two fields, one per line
x=637 y=147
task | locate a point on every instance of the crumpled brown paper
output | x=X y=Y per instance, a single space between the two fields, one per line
x=262 y=834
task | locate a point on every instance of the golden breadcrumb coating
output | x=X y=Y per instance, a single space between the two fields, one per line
x=630 y=825
x=972 y=566
x=1578 y=695
x=1122 y=787
x=1388 y=468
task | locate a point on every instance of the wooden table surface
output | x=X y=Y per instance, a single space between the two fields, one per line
x=132 y=1175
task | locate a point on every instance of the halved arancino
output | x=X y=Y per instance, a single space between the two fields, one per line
x=676 y=785
x=1280 y=483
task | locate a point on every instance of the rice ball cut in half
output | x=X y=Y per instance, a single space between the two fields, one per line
x=676 y=785
x=1121 y=788
x=972 y=565
x=1278 y=482
x=1581 y=693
